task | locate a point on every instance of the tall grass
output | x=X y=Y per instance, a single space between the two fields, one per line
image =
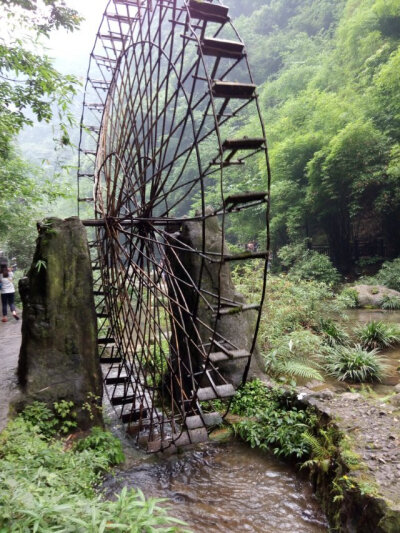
x=45 y=487
x=294 y=324
x=355 y=364
x=377 y=334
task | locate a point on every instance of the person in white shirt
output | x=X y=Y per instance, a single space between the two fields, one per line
x=7 y=292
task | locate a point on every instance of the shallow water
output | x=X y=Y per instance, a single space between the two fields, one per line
x=227 y=488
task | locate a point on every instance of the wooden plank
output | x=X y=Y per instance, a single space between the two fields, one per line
x=208 y=419
x=228 y=89
x=222 y=48
x=221 y=391
x=208 y=12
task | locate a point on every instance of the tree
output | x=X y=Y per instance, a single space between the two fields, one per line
x=30 y=88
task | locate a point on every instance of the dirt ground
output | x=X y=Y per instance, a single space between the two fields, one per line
x=10 y=342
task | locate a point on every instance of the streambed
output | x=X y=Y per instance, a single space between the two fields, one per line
x=227 y=488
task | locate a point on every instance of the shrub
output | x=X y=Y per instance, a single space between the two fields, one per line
x=355 y=364
x=389 y=274
x=314 y=266
x=308 y=264
x=49 y=423
x=390 y=303
x=45 y=487
x=350 y=297
x=377 y=334
x=102 y=442
x=295 y=355
x=275 y=423
x=331 y=332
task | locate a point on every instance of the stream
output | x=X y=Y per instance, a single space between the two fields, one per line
x=230 y=488
x=226 y=488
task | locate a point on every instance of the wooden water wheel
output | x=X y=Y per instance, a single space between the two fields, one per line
x=168 y=85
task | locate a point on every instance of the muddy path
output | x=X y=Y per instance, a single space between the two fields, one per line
x=10 y=342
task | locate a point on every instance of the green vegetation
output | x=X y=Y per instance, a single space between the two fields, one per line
x=30 y=89
x=274 y=423
x=355 y=364
x=46 y=486
x=300 y=321
x=308 y=265
x=389 y=274
x=390 y=303
x=377 y=334
x=328 y=71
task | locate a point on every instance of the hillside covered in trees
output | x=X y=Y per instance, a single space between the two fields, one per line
x=329 y=81
x=327 y=72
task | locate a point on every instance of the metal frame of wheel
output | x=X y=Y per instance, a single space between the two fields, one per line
x=157 y=145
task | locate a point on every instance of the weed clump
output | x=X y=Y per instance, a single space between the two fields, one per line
x=355 y=364
x=45 y=486
x=377 y=334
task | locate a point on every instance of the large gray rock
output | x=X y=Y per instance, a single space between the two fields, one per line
x=58 y=358
x=372 y=295
x=237 y=328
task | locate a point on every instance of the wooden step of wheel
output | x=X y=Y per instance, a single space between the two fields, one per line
x=86 y=199
x=102 y=315
x=228 y=89
x=233 y=200
x=104 y=59
x=94 y=105
x=112 y=36
x=85 y=175
x=208 y=12
x=106 y=340
x=121 y=18
x=222 y=48
x=134 y=415
x=135 y=3
x=208 y=419
x=191 y=436
x=121 y=380
x=220 y=391
x=234 y=309
x=246 y=255
x=217 y=357
x=122 y=400
x=243 y=144
x=110 y=360
x=98 y=293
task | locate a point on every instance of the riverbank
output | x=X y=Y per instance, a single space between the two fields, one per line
x=361 y=490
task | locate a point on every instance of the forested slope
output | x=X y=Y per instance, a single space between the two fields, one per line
x=329 y=81
x=329 y=85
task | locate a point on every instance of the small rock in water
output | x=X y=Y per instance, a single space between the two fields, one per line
x=397 y=387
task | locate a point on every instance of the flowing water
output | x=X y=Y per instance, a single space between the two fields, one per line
x=230 y=488
x=227 y=488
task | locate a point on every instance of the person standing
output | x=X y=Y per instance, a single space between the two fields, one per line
x=7 y=292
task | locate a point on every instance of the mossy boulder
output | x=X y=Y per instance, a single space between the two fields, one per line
x=58 y=358
x=371 y=296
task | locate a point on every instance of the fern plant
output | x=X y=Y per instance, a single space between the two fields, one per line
x=323 y=449
x=295 y=356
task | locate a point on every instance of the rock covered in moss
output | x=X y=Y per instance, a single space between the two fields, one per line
x=373 y=295
x=58 y=358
